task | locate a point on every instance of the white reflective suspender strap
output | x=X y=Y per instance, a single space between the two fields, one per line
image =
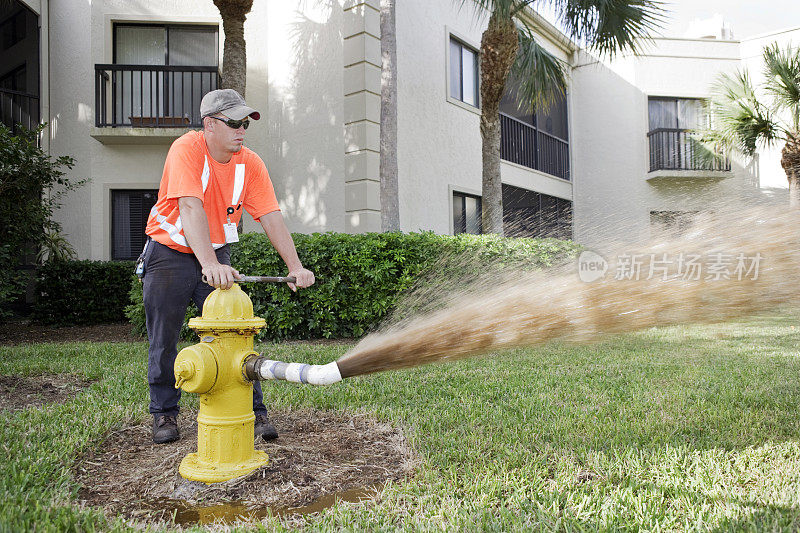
x=206 y=174
x=173 y=231
x=238 y=183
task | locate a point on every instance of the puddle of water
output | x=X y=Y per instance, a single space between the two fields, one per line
x=329 y=500
x=186 y=514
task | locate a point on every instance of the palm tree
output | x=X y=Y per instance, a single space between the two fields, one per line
x=390 y=208
x=234 y=59
x=744 y=118
x=508 y=47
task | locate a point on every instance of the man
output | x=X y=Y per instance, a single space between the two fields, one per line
x=209 y=176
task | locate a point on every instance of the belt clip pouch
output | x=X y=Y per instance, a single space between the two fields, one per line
x=139 y=270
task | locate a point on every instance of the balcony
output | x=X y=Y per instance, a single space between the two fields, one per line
x=531 y=147
x=675 y=153
x=19 y=108
x=149 y=101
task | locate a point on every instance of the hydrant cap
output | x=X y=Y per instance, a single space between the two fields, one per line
x=228 y=309
x=196 y=369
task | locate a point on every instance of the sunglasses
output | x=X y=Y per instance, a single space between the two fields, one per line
x=235 y=124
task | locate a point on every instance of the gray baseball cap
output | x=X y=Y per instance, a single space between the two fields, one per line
x=228 y=102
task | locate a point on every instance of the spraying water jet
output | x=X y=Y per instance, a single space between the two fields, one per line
x=528 y=311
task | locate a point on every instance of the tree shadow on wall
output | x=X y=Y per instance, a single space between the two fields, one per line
x=308 y=121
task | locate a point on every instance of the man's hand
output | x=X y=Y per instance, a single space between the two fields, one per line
x=221 y=276
x=303 y=278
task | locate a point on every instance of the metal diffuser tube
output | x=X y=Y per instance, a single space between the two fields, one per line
x=261 y=368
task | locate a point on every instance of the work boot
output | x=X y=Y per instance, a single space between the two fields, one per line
x=165 y=429
x=264 y=428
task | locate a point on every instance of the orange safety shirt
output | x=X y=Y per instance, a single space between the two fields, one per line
x=242 y=182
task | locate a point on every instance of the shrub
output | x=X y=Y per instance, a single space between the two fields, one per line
x=12 y=279
x=26 y=223
x=359 y=277
x=82 y=292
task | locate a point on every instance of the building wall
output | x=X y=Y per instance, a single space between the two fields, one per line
x=610 y=153
x=439 y=142
x=294 y=78
x=313 y=73
x=615 y=192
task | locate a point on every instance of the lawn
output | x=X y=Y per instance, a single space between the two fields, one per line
x=683 y=428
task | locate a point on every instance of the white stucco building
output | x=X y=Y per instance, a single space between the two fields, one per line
x=118 y=81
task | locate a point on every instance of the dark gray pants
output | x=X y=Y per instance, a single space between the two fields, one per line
x=171 y=280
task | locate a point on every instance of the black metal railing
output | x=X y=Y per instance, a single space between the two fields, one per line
x=18 y=108
x=151 y=96
x=676 y=149
x=525 y=145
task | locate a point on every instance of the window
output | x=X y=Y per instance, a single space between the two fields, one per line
x=162 y=82
x=466 y=214
x=13 y=29
x=551 y=120
x=463 y=73
x=533 y=214
x=672 y=146
x=538 y=138
x=672 y=223
x=676 y=113
x=129 y=212
x=16 y=80
x=147 y=44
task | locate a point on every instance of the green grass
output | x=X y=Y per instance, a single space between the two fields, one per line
x=692 y=428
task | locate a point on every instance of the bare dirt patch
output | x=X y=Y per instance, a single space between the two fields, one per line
x=29 y=332
x=18 y=392
x=318 y=454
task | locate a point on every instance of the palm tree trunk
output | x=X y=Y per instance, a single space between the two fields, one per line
x=790 y=161
x=499 y=45
x=390 y=203
x=234 y=59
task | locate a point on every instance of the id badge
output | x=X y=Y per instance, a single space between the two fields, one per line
x=231 y=235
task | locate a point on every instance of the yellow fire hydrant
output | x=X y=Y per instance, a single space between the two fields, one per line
x=213 y=368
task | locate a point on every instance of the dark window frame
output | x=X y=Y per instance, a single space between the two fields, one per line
x=671 y=145
x=549 y=216
x=461 y=44
x=462 y=223
x=11 y=21
x=204 y=27
x=675 y=100
x=12 y=75
x=145 y=215
x=524 y=136
x=676 y=222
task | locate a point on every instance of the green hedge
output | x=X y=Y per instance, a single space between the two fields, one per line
x=359 y=277
x=82 y=292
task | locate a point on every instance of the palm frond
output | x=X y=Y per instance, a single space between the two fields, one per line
x=521 y=5
x=610 y=26
x=710 y=146
x=541 y=76
x=782 y=78
x=55 y=247
x=739 y=120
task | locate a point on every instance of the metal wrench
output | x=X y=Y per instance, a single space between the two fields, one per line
x=261 y=279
